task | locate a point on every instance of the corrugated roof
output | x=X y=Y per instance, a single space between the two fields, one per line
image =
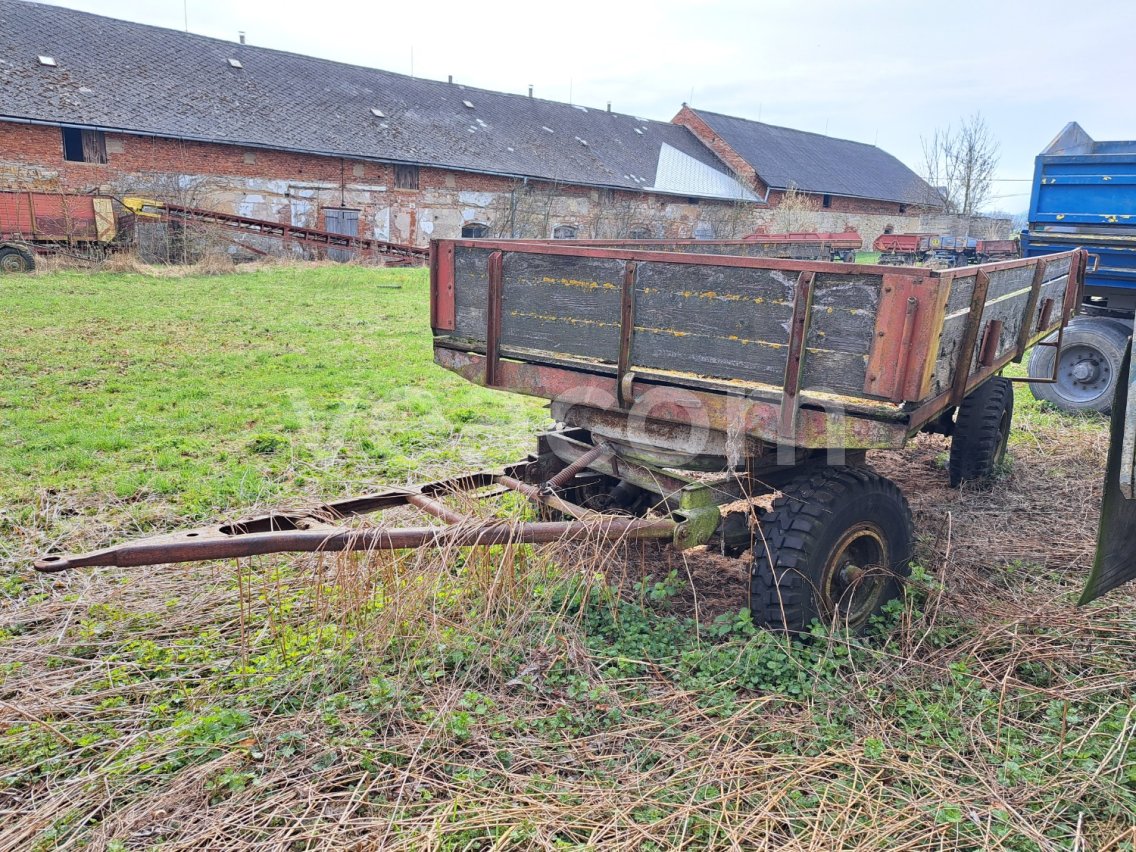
x=119 y=75
x=784 y=157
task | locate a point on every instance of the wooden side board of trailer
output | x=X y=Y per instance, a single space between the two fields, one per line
x=893 y=344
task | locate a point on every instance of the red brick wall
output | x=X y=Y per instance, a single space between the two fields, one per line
x=691 y=120
x=843 y=204
x=31 y=157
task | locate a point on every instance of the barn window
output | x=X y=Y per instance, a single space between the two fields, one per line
x=475 y=231
x=564 y=232
x=640 y=232
x=406 y=177
x=84 y=146
x=903 y=208
x=826 y=201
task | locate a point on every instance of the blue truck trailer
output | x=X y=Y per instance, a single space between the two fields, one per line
x=1084 y=195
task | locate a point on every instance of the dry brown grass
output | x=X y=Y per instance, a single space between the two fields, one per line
x=905 y=746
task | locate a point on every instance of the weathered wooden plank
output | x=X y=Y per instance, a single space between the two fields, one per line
x=716 y=302
x=834 y=372
x=844 y=313
x=1010 y=310
x=706 y=355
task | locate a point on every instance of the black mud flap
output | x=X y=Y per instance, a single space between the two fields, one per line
x=1115 y=561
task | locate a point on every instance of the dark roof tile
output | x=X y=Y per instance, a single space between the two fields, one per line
x=783 y=157
x=119 y=75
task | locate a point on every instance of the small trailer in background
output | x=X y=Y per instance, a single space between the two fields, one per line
x=759 y=376
x=32 y=222
x=902 y=249
x=907 y=249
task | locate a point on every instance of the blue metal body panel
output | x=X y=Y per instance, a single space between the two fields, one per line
x=1084 y=194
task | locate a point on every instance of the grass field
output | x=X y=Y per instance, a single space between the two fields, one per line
x=558 y=698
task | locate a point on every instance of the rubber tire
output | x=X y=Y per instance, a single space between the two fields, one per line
x=982 y=429
x=799 y=533
x=20 y=260
x=1107 y=335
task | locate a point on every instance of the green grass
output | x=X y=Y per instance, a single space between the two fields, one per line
x=214 y=392
x=563 y=698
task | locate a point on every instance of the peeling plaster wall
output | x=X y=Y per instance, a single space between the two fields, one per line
x=295 y=188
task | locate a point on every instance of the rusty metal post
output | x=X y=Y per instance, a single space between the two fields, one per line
x=970 y=337
x=626 y=335
x=493 y=319
x=799 y=331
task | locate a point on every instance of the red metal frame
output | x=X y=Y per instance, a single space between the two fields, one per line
x=900 y=361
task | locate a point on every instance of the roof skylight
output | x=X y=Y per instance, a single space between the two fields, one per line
x=468 y=104
x=236 y=63
x=49 y=61
x=378 y=113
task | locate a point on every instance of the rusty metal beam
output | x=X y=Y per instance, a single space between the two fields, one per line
x=798 y=334
x=1027 y=328
x=209 y=543
x=970 y=337
x=626 y=334
x=493 y=318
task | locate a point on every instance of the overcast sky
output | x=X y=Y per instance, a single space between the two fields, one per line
x=884 y=72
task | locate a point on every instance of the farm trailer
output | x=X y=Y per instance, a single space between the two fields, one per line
x=1084 y=194
x=902 y=249
x=32 y=222
x=683 y=383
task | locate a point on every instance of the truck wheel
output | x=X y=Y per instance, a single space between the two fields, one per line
x=16 y=260
x=834 y=547
x=1087 y=367
x=981 y=431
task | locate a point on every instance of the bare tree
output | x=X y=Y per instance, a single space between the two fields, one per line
x=797 y=211
x=960 y=164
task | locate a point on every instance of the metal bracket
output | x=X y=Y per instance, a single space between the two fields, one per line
x=624 y=378
x=493 y=318
x=799 y=331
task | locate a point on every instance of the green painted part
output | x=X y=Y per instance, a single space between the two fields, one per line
x=700 y=517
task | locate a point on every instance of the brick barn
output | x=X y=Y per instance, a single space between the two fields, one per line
x=89 y=103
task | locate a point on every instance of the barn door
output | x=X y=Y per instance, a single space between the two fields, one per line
x=341 y=220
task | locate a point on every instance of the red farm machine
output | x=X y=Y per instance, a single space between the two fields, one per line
x=684 y=382
x=944 y=249
x=42 y=222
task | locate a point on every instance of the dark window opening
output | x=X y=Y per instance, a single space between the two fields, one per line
x=564 y=232
x=889 y=229
x=475 y=231
x=826 y=201
x=639 y=233
x=406 y=177
x=692 y=201
x=903 y=208
x=84 y=146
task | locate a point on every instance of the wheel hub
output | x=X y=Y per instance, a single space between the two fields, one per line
x=855 y=575
x=1084 y=372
